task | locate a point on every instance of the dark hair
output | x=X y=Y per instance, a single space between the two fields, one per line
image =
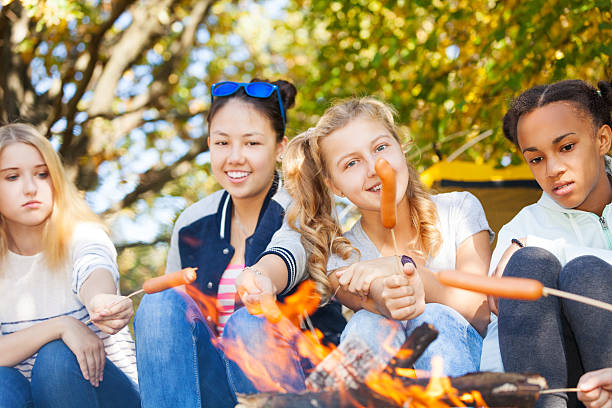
x=594 y=102
x=267 y=106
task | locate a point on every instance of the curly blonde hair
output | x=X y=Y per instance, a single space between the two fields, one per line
x=312 y=211
x=68 y=206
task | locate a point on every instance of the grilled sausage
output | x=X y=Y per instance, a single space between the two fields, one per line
x=387 y=196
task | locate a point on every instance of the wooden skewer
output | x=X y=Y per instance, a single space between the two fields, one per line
x=556 y=390
x=397 y=257
x=119 y=301
x=578 y=298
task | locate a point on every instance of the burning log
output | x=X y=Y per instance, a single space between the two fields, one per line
x=494 y=389
x=351 y=376
x=349 y=364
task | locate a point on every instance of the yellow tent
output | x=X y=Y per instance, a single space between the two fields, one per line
x=502 y=191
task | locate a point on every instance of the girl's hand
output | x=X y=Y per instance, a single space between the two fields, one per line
x=257 y=292
x=403 y=295
x=87 y=348
x=358 y=277
x=596 y=388
x=110 y=313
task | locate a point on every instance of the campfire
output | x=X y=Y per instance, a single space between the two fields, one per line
x=351 y=376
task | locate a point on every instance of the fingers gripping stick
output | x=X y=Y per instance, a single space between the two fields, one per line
x=153 y=285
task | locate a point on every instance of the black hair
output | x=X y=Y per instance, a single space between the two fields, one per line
x=267 y=106
x=594 y=102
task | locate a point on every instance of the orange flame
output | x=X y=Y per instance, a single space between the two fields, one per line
x=287 y=318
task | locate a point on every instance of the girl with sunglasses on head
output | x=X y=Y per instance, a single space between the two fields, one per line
x=177 y=337
x=58 y=271
x=564 y=240
x=444 y=231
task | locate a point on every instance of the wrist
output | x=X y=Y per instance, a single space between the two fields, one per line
x=517 y=242
x=407 y=259
x=61 y=324
x=252 y=269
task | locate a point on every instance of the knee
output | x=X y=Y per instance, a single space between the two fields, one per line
x=534 y=263
x=585 y=274
x=446 y=320
x=55 y=367
x=374 y=329
x=243 y=325
x=14 y=388
x=164 y=311
x=587 y=267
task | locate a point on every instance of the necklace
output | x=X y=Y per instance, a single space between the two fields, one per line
x=242 y=229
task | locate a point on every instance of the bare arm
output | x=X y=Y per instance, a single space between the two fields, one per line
x=260 y=283
x=86 y=346
x=18 y=346
x=398 y=296
x=109 y=312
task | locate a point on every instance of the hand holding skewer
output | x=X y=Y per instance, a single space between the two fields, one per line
x=114 y=313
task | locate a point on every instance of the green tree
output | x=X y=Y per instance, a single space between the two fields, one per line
x=449 y=67
x=121 y=87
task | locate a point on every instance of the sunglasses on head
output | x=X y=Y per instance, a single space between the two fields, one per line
x=253 y=89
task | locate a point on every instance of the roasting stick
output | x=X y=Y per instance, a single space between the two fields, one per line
x=510 y=287
x=159 y=283
x=556 y=390
x=387 y=201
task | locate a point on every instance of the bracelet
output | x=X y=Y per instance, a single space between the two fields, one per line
x=517 y=242
x=406 y=259
x=252 y=268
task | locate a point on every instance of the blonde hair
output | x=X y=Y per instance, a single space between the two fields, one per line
x=312 y=210
x=69 y=207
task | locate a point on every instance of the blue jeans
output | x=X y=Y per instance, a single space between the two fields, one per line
x=275 y=363
x=57 y=381
x=557 y=338
x=180 y=363
x=274 y=347
x=458 y=342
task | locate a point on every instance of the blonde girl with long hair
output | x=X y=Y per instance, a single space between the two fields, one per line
x=434 y=232
x=58 y=271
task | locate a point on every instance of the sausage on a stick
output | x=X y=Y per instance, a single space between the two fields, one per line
x=170 y=280
x=510 y=287
x=387 y=195
x=159 y=283
x=386 y=173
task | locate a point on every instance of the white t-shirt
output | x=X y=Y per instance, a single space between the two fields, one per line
x=460 y=215
x=31 y=293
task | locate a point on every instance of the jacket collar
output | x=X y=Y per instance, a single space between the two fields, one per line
x=226 y=207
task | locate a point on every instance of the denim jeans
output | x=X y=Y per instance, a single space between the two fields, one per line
x=180 y=363
x=272 y=349
x=275 y=346
x=458 y=343
x=557 y=338
x=57 y=382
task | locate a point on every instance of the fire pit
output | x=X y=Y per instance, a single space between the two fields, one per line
x=350 y=376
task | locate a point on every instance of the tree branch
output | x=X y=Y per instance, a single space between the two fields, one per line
x=93 y=50
x=156 y=178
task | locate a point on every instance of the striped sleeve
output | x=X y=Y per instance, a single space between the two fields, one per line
x=92 y=249
x=286 y=244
